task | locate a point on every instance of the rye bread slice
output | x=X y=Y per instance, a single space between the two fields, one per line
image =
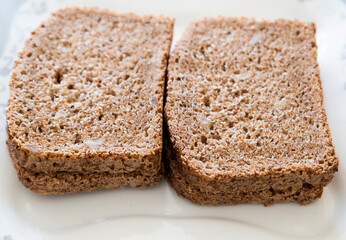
x=86 y=98
x=244 y=113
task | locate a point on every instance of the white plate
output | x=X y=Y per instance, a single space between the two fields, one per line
x=158 y=213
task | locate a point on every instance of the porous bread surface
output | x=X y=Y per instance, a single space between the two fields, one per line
x=244 y=98
x=86 y=93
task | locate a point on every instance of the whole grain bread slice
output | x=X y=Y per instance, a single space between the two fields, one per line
x=86 y=99
x=244 y=113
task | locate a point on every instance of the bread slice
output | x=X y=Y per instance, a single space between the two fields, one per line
x=86 y=101
x=244 y=113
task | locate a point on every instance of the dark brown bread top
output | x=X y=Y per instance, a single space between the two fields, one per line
x=244 y=97
x=89 y=82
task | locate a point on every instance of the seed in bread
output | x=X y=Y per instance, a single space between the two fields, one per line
x=244 y=113
x=86 y=101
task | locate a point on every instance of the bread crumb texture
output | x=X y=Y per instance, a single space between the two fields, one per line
x=245 y=114
x=86 y=94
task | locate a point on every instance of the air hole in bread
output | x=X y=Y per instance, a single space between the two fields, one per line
x=126 y=77
x=66 y=44
x=246 y=161
x=206 y=101
x=307 y=185
x=58 y=76
x=204 y=139
x=89 y=80
x=111 y=92
x=78 y=139
x=259 y=61
x=216 y=136
x=211 y=126
x=224 y=67
x=55 y=164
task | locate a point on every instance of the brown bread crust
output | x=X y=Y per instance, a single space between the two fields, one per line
x=65 y=182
